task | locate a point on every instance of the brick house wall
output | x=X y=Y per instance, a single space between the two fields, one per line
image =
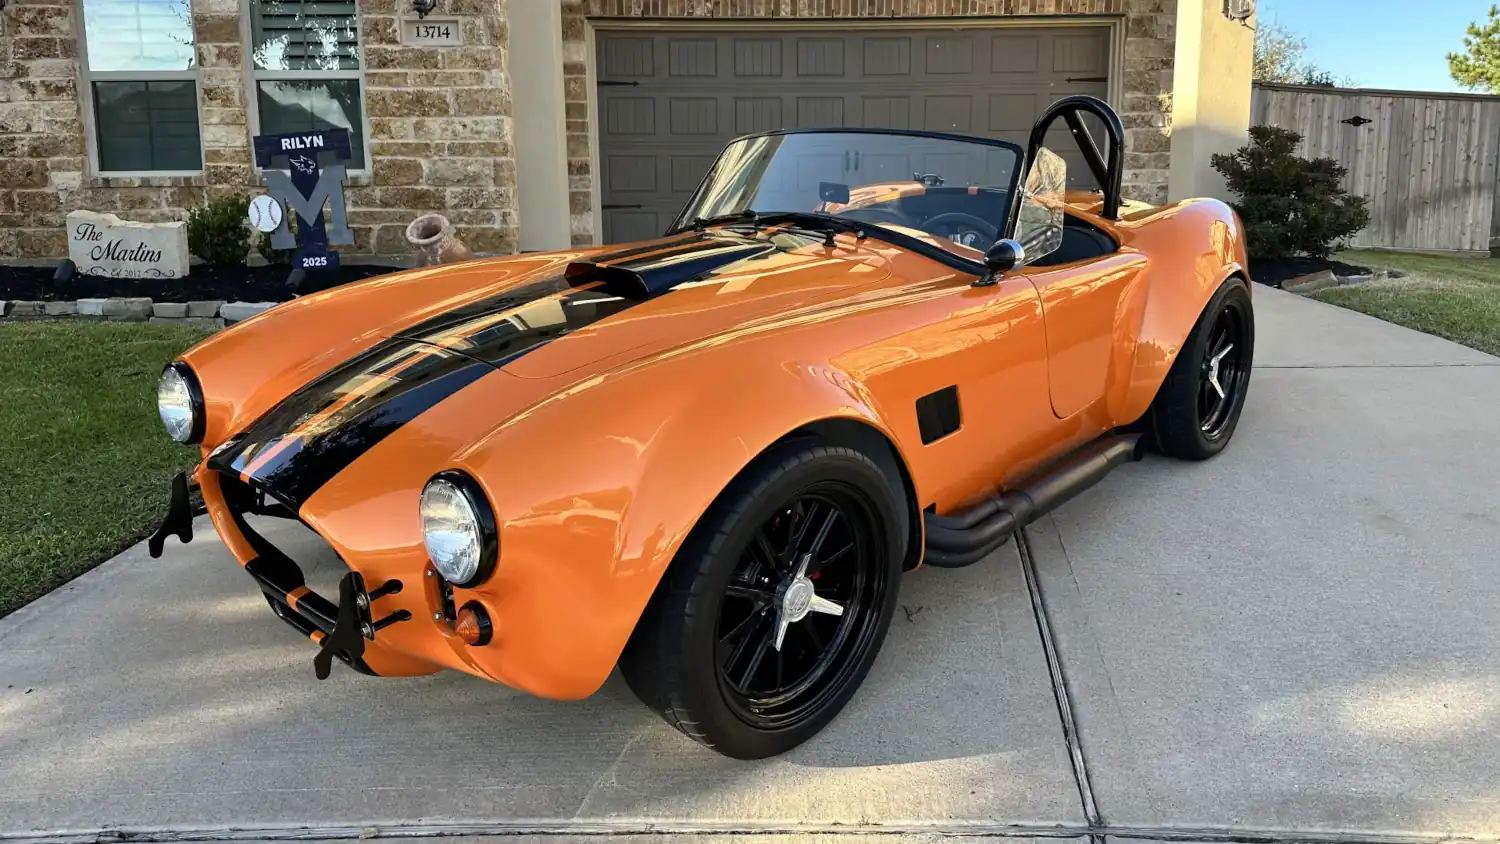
x=1146 y=108
x=440 y=125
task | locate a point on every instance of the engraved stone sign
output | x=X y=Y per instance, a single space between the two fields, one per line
x=103 y=244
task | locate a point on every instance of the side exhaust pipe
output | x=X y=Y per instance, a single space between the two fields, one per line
x=966 y=538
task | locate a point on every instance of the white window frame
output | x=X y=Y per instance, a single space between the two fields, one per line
x=254 y=76
x=86 y=80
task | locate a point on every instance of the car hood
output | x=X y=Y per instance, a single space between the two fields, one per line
x=570 y=319
x=622 y=305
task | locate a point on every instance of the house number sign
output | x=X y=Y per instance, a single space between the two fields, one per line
x=432 y=32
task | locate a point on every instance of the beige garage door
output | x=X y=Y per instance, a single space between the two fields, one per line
x=669 y=101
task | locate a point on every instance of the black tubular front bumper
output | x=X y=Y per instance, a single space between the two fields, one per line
x=340 y=629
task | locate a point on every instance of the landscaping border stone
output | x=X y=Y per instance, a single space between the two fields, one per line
x=202 y=314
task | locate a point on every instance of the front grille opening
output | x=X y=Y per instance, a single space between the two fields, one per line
x=322 y=569
x=279 y=527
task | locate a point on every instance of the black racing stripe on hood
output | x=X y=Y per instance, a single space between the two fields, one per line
x=318 y=431
x=500 y=328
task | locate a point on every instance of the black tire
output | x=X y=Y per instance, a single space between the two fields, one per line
x=1190 y=418
x=698 y=631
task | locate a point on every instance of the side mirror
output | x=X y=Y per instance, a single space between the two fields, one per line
x=1000 y=259
x=834 y=192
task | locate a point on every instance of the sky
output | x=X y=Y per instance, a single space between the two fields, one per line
x=1399 y=44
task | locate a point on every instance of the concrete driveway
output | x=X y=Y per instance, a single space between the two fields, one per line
x=1294 y=640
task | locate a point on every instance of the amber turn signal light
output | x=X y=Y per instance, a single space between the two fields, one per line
x=473 y=625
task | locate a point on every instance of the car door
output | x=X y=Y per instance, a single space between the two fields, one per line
x=1082 y=308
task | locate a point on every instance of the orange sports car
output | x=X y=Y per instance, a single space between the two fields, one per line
x=708 y=458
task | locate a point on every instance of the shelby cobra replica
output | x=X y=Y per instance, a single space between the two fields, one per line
x=709 y=458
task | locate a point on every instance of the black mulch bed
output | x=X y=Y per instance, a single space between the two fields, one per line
x=231 y=284
x=1275 y=272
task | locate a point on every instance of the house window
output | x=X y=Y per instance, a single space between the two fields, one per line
x=305 y=62
x=141 y=81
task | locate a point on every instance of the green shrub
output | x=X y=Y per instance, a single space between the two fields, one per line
x=219 y=232
x=1290 y=205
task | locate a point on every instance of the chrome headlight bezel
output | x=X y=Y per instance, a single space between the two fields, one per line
x=485 y=529
x=183 y=373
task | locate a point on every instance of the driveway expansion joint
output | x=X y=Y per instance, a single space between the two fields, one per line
x=628 y=828
x=1059 y=683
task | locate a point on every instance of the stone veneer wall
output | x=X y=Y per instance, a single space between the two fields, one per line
x=1146 y=109
x=440 y=130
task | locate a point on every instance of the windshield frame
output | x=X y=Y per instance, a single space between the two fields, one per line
x=684 y=222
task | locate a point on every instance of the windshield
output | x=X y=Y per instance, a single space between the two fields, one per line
x=949 y=191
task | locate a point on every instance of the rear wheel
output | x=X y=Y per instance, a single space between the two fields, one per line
x=776 y=606
x=1198 y=406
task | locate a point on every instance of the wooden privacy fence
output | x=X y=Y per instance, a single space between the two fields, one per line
x=1426 y=161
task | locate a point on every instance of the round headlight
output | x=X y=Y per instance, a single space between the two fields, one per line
x=458 y=529
x=179 y=404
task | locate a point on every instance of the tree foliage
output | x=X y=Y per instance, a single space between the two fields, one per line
x=1478 y=66
x=1280 y=56
x=1289 y=204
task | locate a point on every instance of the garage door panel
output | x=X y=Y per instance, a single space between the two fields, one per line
x=819 y=112
x=696 y=90
x=628 y=57
x=630 y=116
x=1015 y=53
x=757 y=57
x=630 y=173
x=693 y=115
x=886 y=56
x=948 y=113
x=1082 y=54
x=757 y=114
x=885 y=112
x=1010 y=114
x=687 y=171
x=820 y=57
x=950 y=54
x=692 y=57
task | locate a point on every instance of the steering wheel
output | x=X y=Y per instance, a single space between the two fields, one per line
x=965 y=229
x=876 y=215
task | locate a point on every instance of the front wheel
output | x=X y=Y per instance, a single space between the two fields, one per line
x=1198 y=406
x=777 y=604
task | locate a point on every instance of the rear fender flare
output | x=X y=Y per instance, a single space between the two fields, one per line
x=1193 y=247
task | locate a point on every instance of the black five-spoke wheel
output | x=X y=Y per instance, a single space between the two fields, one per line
x=777 y=604
x=1198 y=406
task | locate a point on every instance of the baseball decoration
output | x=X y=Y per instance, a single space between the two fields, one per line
x=265 y=213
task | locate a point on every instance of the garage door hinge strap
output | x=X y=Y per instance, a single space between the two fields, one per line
x=610 y=83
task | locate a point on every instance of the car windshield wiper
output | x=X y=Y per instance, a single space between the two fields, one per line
x=819 y=225
x=746 y=216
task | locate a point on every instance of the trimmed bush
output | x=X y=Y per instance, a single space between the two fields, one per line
x=1290 y=205
x=219 y=232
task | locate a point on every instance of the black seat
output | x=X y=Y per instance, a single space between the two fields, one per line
x=1080 y=242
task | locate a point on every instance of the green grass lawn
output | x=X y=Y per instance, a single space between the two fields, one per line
x=84 y=460
x=1450 y=296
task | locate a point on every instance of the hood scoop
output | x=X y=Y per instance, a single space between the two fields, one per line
x=658 y=271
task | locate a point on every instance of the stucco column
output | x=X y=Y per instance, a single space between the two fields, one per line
x=1211 y=95
x=535 y=29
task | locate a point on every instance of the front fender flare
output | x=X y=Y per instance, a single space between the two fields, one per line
x=596 y=489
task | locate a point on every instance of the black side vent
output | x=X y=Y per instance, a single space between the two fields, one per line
x=937 y=414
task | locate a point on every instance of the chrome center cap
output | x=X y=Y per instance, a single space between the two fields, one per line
x=1212 y=374
x=796 y=601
